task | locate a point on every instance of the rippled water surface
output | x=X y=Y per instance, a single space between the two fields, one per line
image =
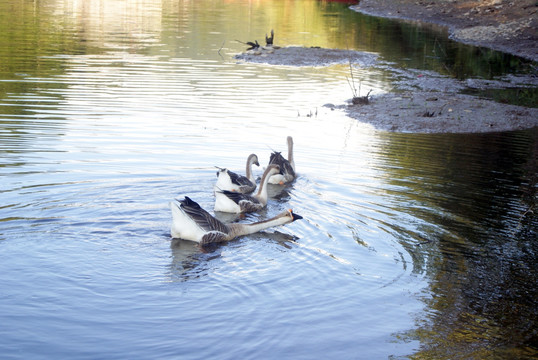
x=411 y=245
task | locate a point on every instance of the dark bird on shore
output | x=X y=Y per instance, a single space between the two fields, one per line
x=253 y=45
x=269 y=40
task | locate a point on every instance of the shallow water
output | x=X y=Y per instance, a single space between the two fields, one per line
x=411 y=245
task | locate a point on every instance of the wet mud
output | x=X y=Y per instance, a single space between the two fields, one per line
x=427 y=112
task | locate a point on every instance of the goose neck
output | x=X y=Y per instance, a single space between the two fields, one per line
x=290 y=149
x=246 y=229
x=262 y=191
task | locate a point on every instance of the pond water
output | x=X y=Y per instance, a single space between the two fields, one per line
x=412 y=245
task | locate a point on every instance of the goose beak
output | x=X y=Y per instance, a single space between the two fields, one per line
x=294 y=216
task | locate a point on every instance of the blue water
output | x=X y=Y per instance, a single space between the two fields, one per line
x=129 y=105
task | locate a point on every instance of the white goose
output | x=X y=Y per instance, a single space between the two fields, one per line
x=191 y=222
x=287 y=167
x=228 y=180
x=233 y=202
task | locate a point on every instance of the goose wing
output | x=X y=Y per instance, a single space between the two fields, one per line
x=213 y=236
x=285 y=166
x=239 y=179
x=202 y=218
x=238 y=197
x=246 y=202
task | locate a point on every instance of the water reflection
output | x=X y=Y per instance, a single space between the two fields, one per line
x=188 y=261
x=191 y=261
x=482 y=272
x=110 y=109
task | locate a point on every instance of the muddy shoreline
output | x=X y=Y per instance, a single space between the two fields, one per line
x=427 y=112
x=505 y=25
x=420 y=101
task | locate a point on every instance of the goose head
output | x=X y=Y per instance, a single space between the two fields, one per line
x=220 y=170
x=253 y=159
x=289 y=215
x=293 y=215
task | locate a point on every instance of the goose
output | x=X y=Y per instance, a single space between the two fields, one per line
x=228 y=180
x=287 y=167
x=233 y=202
x=191 y=222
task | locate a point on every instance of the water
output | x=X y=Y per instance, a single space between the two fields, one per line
x=411 y=245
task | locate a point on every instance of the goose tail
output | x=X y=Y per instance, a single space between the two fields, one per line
x=177 y=217
x=174 y=204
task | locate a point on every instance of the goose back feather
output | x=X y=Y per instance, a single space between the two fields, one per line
x=228 y=201
x=231 y=181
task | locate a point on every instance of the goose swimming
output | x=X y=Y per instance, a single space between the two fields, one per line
x=233 y=202
x=228 y=180
x=191 y=222
x=287 y=167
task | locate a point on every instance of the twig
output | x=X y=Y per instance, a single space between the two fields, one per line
x=352 y=85
x=353 y=91
x=218 y=52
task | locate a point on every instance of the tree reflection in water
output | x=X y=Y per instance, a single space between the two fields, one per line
x=483 y=295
